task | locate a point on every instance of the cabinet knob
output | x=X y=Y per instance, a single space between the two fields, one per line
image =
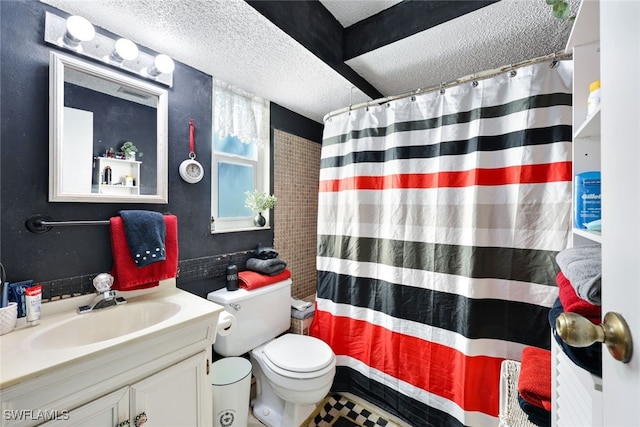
x=614 y=332
x=140 y=419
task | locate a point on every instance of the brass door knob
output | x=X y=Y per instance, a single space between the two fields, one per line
x=614 y=332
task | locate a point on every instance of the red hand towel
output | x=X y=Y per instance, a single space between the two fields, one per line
x=126 y=274
x=534 y=382
x=251 y=280
x=572 y=303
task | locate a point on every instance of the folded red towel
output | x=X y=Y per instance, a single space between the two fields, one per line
x=126 y=274
x=572 y=303
x=251 y=280
x=534 y=382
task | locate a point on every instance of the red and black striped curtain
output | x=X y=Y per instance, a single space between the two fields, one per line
x=440 y=216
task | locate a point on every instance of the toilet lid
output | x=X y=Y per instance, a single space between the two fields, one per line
x=298 y=353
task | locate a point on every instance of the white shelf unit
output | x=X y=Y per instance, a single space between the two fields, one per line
x=576 y=393
x=120 y=168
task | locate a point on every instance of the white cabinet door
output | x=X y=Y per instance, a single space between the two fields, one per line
x=108 y=411
x=620 y=68
x=177 y=396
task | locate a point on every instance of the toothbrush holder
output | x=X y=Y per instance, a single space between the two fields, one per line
x=8 y=318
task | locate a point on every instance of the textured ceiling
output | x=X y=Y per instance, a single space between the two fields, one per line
x=231 y=41
x=506 y=32
x=348 y=12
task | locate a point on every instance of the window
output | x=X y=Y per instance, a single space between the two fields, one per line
x=241 y=156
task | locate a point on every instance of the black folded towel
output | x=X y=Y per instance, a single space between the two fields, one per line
x=536 y=415
x=270 y=267
x=145 y=232
x=265 y=252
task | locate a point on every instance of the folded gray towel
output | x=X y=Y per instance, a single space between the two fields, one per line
x=582 y=265
x=270 y=267
x=145 y=232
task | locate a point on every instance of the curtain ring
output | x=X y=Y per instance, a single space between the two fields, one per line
x=388 y=104
x=554 y=63
x=413 y=98
x=474 y=83
x=512 y=73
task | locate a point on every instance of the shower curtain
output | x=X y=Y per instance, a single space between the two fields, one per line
x=440 y=216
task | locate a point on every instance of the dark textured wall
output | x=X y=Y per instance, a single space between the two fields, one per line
x=75 y=251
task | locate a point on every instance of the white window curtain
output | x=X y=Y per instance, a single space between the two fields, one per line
x=240 y=113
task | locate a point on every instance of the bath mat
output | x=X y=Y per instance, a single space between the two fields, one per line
x=338 y=411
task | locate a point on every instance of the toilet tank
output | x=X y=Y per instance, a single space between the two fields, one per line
x=261 y=314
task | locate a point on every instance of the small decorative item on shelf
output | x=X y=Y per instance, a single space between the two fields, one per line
x=259 y=202
x=129 y=150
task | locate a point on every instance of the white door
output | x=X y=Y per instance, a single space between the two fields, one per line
x=620 y=77
x=179 y=396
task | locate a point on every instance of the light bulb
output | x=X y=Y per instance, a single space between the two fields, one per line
x=124 y=49
x=162 y=64
x=78 y=30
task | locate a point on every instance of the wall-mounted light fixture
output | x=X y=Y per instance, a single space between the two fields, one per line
x=78 y=35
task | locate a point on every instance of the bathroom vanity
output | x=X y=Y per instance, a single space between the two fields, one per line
x=113 y=367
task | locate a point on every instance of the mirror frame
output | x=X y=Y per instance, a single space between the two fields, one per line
x=58 y=63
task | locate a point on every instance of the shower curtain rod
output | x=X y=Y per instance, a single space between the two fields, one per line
x=556 y=56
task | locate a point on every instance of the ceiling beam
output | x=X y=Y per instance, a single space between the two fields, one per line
x=315 y=28
x=403 y=20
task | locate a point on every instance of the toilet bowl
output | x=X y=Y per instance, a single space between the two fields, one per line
x=293 y=373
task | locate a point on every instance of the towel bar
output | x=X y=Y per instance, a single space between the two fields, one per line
x=41 y=223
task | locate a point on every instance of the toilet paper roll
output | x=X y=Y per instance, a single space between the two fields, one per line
x=226 y=323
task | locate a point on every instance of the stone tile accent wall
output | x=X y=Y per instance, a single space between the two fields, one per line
x=297 y=172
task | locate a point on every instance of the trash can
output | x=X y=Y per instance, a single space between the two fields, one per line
x=231 y=383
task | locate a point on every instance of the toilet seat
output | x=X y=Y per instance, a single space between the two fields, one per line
x=298 y=356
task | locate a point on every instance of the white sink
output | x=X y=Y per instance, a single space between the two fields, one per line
x=104 y=324
x=65 y=337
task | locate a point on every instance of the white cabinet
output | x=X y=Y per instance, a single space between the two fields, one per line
x=166 y=375
x=576 y=393
x=171 y=397
x=584 y=41
x=107 y=411
x=175 y=396
x=119 y=171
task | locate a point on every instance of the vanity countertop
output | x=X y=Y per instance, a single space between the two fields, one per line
x=28 y=352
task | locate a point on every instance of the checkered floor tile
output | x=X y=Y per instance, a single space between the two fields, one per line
x=338 y=411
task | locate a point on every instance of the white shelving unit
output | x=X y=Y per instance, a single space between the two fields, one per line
x=576 y=393
x=120 y=168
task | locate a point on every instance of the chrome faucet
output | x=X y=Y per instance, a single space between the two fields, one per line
x=105 y=296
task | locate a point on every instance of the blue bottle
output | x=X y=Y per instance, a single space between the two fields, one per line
x=587 y=204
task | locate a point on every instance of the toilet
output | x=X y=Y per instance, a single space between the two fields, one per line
x=293 y=372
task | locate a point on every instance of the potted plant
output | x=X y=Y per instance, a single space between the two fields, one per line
x=259 y=202
x=130 y=150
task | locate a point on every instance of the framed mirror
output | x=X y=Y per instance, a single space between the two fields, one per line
x=93 y=112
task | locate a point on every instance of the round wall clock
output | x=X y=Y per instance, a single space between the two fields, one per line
x=191 y=170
